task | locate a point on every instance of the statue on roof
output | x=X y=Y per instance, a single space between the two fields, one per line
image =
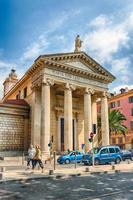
x=78 y=43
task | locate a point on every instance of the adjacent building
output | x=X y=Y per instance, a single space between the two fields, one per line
x=124 y=103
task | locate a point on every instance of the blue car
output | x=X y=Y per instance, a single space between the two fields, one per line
x=125 y=154
x=103 y=155
x=70 y=157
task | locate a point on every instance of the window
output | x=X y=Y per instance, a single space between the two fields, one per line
x=117 y=150
x=131 y=111
x=118 y=103
x=131 y=125
x=130 y=99
x=111 y=150
x=119 y=139
x=104 y=151
x=17 y=96
x=128 y=138
x=113 y=141
x=112 y=105
x=25 y=92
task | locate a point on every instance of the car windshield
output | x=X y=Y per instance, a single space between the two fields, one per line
x=96 y=150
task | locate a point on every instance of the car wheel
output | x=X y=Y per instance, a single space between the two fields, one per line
x=118 y=160
x=67 y=161
x=97 y=162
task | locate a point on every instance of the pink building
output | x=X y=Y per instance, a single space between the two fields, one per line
x=124 y=103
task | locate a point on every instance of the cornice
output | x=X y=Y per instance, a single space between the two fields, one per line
x=77 y=71
x=81 y=55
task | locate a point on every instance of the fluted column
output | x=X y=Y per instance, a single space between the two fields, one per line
x=45 y=115
x=94 y=118
x=68 y=132
x=87 y=117
x=104 y=119
x=36 y=116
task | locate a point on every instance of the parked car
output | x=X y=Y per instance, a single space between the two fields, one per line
x=103 y=155
x=70 y=157
x=131 y=150
x=125 y=154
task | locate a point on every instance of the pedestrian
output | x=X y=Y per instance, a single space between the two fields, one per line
x=37 y=158
x=31 y=154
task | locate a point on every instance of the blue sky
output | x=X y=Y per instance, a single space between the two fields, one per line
x=29 y=28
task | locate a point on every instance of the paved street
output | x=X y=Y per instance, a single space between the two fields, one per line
x=99 y=187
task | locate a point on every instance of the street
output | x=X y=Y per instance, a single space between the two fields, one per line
x=100 y=187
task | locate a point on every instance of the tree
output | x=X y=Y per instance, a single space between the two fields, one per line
x=116 y=119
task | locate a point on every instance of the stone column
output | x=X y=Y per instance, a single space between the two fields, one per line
x=36 y=117
x=94 y=118
x=104 y=119
x=87 y=117
x=68 y=132
x=45 y=115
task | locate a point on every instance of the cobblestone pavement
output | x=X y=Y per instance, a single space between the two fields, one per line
x=92 y=187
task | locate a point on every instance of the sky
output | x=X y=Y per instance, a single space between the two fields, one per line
x=31 y=28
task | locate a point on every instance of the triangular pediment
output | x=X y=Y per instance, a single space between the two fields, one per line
x=79 y=65
x=82 y=61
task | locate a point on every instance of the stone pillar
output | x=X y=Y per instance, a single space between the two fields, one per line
x=68 y=131
x=87 y=117
x=36 y=117
x=58 y=144
x=94 y=118
x=45 y=115
x=104 y=119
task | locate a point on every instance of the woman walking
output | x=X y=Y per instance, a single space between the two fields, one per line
x=37 y=158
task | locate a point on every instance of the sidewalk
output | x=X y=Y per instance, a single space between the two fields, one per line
x=17 y=171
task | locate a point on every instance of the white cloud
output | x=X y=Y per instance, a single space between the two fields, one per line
x=35 y=49
x=106 y=39
x=120 y=68
x=100 y=21
x=4 y=65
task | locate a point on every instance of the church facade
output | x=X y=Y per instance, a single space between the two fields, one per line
x=62 y=91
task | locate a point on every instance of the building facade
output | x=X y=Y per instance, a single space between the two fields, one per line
x=62 y=90
x=124 y=103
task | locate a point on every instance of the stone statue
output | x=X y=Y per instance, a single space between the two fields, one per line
x=78 y=43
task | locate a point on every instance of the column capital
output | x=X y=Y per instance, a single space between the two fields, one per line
x=35 y=86
x=47 y=81
x=106 y=94
x=89 y=91
x=69 y=86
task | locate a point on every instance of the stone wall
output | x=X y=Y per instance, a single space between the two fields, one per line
x=14 y=129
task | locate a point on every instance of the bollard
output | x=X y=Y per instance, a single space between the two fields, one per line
x=75 y=164
x=128 y=162
x=87 y=169
x=113 y=167
x=23 y=158
x=51 y=172
x=54 y=159
x=1 y=176
x=2 y=169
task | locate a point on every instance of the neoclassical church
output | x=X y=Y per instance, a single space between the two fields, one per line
x=55 y=101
